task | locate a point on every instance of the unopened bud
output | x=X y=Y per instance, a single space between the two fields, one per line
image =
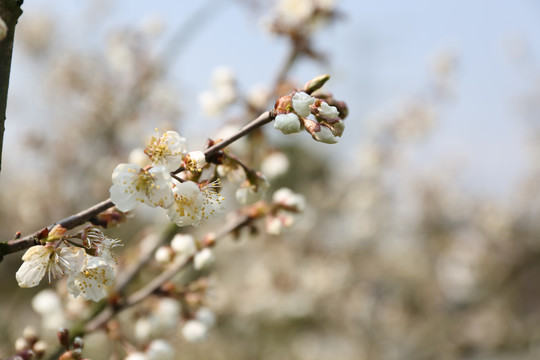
x=203 y=259
x=78 y=343
x=63 y=337
x=39 y=348
x=21 y=344
x=283 y=104
x=316 y=83
x=287 y=123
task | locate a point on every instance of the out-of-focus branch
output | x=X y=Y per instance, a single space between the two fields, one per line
x=11 y=246
x=10 y=11
x=165 y=276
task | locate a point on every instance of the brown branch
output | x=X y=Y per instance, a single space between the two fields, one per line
x=10 y=11
x=15 y=245
x=70 y=222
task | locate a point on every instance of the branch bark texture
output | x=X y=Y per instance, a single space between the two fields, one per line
x=10 y=11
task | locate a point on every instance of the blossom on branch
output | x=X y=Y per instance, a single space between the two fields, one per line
x=192 y=203
x=132 y=185
x=168 y=150
x=92 y=281
x=41 y=259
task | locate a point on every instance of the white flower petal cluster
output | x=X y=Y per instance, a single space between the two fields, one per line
x=56 y=262
x=92 y=282
x=301 y=103
x=193 y=203
x=167 y=150
x=290 y=204
x=88 y=275
x=132 y=185
x=186 y=202
x=287 y=123
x=196 y=330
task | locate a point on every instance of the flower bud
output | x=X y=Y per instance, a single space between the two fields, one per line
x=287 y=198
x=316 y=83
x=164 y=255
x=78 y=343
x=203 y=259
x=63 y=337
x=328 y=112
x=184 y=244
x=194 y=330
x=287 y=123
x=301 y=103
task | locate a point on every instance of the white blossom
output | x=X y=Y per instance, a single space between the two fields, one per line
x=301 y=102
x=164 y=255
x=294 y=12
x=132 y=185
x=195 y=160
x=290 y=199
x=287 y=123
x=188 y=201
x=329 y=112
x=184 y=244
x=273 y=225
x=41 y=259
x=168 y=150
x=325 y=135
x=92 y=281
x=203 y=259
x=192 y=204
x=206 y=315
x=194 y=330
x=160 y=350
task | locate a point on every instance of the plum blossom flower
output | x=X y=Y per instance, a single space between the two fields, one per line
x=194 y=161
x=168 y=150
x=131 y=185
x=301 y=102
x=287 y=123
x=41 y=259
x=93 y=238
x=193 y=203
x=286 y=197
x=92 y=281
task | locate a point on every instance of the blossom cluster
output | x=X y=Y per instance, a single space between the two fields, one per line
x=186 y=202
x=300 y=110
x=90 y=267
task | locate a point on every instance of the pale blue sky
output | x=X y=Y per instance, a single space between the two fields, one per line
x=379 y=55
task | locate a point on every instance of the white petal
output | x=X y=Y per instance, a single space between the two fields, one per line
x=35 y=264
x=122 y=198
x=301 y=102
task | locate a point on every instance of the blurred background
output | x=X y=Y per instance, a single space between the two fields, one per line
x=420 y=239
